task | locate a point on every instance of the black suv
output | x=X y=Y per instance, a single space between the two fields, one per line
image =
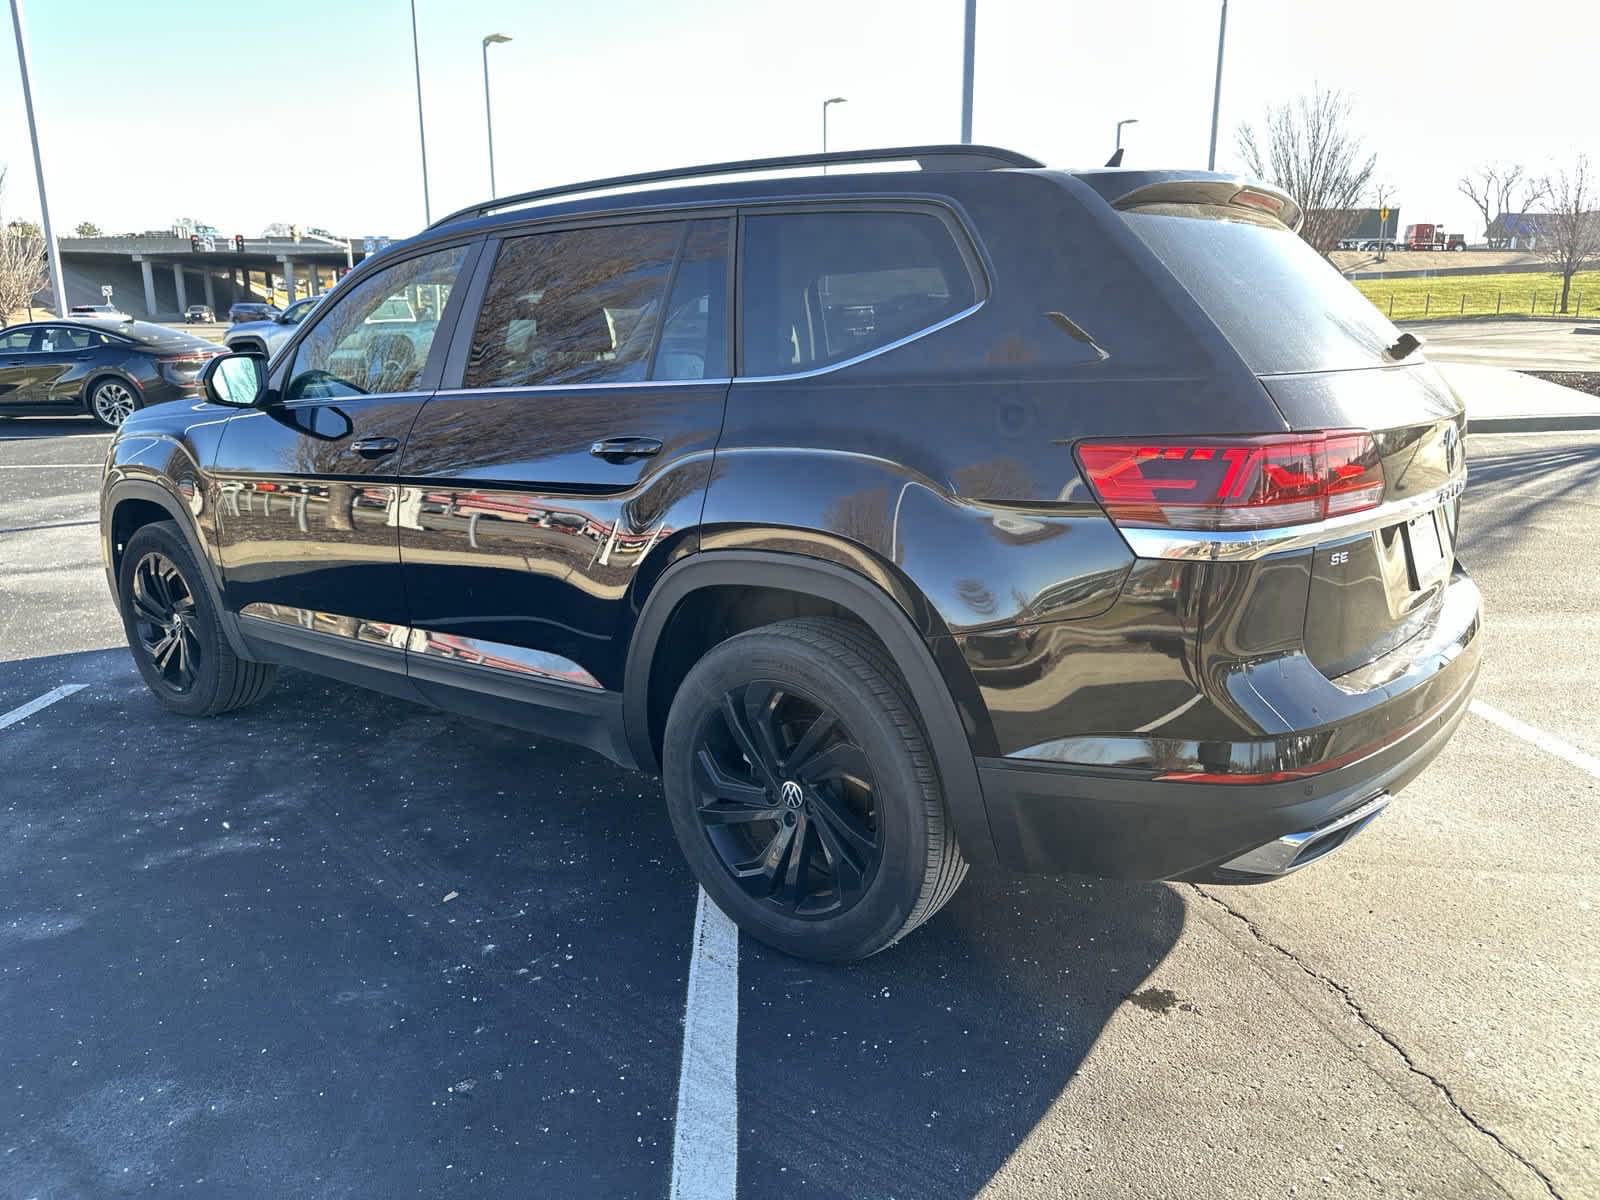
x=982 y=513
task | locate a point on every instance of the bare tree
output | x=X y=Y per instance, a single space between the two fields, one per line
x=22 y=263
x=1491 y=188
x=1312 y=153
x=1569 y=236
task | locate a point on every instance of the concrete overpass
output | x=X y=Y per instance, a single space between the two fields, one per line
x=162 y=276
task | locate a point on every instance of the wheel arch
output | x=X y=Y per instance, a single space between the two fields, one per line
x=852 y=595
x=133 y=503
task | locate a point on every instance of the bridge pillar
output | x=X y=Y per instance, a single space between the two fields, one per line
x=211 y=293
x=313 y=279
x=288 y=277
x=177 y=283
x=149 y=288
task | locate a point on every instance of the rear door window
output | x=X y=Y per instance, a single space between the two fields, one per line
x=605 y=304
x=822 y=287
x=1277 y=301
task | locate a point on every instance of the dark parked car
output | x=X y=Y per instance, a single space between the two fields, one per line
x=1066 y=521
x=251 y=310
x=105 y=368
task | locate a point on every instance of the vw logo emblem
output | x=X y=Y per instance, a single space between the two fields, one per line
x=791 y=794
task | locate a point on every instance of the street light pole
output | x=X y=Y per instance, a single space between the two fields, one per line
x=494 y=39
x=966 y=71
x=825 y=104
x=422 y=136
x=56 y=282
x=1120 y=124
x=1216 y=96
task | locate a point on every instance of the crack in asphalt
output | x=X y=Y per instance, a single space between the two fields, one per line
x=1389 y=1039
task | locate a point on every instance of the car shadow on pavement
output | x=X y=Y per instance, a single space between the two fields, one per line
x=920 y=1071
x=25 y=428
x=341 y=944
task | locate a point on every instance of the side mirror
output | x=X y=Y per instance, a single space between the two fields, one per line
x=237 y=380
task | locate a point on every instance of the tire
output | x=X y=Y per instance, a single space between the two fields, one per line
x=161 y=594
x=112 y=401
x=868 y=854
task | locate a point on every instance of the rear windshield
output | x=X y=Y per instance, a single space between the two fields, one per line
x=1283 y=308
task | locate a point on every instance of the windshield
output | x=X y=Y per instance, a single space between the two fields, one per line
x=1281 y=306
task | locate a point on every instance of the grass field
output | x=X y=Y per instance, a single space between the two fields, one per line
x=1513 y=294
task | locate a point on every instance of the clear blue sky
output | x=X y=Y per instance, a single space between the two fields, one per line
x=241 y=114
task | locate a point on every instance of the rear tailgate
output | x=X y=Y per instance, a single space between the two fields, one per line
x=1330 y=361
x=1371 y=592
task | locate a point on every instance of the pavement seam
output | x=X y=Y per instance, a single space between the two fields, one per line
x=1389 y=1039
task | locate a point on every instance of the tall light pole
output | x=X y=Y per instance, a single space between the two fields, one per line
x=825 y=104
x=1216 y=96
x=966 y=71
x=494 y=39
x=422 y=136
x=1120 y=124
x=56 y=282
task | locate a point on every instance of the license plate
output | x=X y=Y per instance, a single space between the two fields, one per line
x=1426 y=544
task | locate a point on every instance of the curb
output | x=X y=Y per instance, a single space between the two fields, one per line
x=1548 y=423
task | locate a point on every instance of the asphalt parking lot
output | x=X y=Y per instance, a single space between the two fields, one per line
x=340 y=945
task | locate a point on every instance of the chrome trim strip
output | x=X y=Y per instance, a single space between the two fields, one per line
x=873 y=353
x=600 y=385
x=1237 y=545
x=515 y=660
x=1278 y=857
x=357 y=629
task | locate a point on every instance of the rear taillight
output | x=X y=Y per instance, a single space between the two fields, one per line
x=1234 y=483
x=183 y=368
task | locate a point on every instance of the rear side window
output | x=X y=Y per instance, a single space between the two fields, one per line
x=608 y=304
x=1275 y=299
x=823 y=287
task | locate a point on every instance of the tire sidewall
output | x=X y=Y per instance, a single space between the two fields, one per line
x=163 y=538
x=873 y=921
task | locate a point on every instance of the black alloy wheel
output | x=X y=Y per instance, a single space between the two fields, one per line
x=164 y=619
x=803 y=792
x=787 y=799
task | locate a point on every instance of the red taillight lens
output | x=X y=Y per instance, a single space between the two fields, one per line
x=1234 y=483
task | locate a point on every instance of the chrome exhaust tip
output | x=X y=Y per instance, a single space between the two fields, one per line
x=1295 y=850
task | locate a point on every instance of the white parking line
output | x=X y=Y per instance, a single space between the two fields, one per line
x=48 y=466
x=705 y=1146
x=44 y=701
x=1549 y=743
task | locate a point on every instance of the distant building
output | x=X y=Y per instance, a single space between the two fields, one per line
x=1518 y=231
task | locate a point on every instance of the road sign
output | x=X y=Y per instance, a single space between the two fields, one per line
x=1383 y=214
x=105 y=290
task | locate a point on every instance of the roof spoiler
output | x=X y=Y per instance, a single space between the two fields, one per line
x=1219 y=191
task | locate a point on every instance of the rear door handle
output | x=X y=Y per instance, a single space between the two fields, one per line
x=620 y=449
x=375 y=447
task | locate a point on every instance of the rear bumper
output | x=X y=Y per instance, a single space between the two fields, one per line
x=1131 y=823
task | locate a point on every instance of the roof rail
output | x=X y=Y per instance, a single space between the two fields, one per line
x=929 y=158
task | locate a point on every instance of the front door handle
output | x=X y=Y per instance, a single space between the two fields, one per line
x=375 y=447
x=620 y=449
